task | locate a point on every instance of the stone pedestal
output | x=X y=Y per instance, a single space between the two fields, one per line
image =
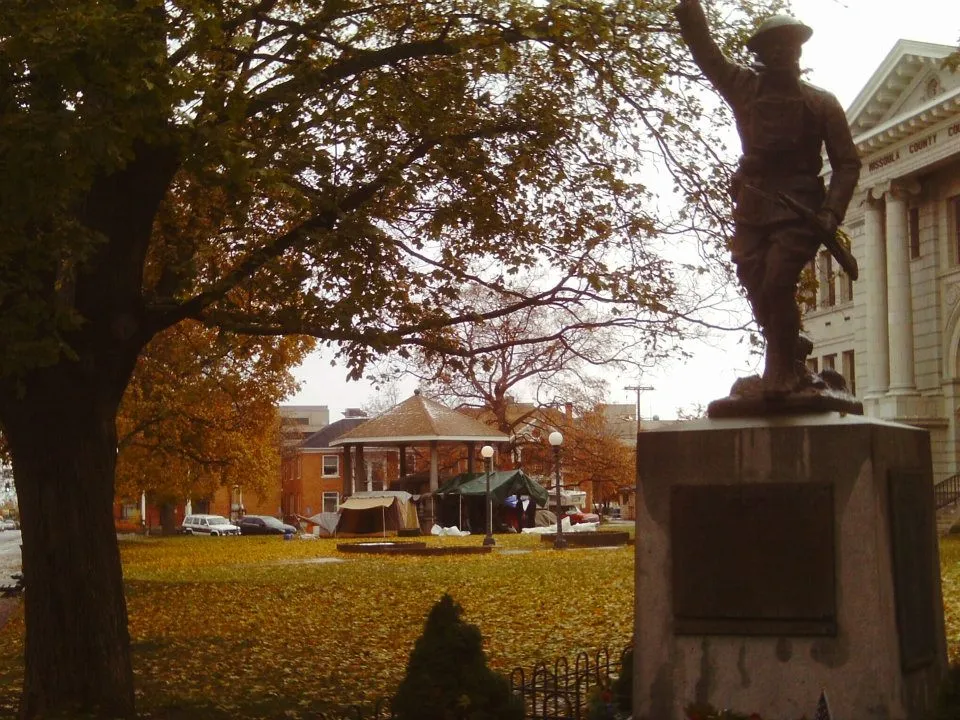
x=776 y=557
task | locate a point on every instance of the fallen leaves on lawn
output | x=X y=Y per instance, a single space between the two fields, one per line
x=251 y=627
x=950 y=584
x=243 y=624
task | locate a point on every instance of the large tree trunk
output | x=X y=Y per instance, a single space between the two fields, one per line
x=63 y=445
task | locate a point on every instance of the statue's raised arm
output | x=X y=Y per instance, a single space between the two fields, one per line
x=723 y=73
x=782 y=209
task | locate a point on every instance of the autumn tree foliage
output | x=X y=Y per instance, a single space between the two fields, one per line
x=330 y=168
x=201 y=412
x=597 y=454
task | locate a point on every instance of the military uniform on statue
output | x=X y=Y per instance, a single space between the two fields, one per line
x=782 y=210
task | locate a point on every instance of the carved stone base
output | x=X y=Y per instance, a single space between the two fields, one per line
x=749 y=399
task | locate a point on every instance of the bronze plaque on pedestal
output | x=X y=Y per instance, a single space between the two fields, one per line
x=914 y=564
x=753 y=559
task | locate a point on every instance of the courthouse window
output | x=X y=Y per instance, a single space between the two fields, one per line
x=827 y=279
x=849 y=370
x=807 y=287
x=914 y=233
x=813 y=365
x=846 y=287
x=829 y=362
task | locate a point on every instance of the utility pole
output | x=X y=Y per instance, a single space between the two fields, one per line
x=638 y=389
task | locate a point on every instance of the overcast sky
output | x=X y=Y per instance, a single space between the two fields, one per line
x=849 y=42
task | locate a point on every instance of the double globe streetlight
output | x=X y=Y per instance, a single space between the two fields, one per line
x=487 y=453
x=556 y=440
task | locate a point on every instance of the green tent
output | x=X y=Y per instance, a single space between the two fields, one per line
x=503 y=484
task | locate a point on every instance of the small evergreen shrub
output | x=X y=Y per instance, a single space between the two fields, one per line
x=447 y=675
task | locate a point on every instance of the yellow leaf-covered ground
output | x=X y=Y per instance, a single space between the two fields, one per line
x=262 y=627
x=251 y=627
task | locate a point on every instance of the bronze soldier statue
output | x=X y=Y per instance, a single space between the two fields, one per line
x=783 y=123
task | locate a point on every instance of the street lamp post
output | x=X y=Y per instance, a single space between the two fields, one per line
x=487 y=452
x=556 y=440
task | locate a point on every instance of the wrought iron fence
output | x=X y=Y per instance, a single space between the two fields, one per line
x=561 y=693
x=947 y=492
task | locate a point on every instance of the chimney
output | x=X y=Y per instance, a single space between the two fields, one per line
x=568 y=410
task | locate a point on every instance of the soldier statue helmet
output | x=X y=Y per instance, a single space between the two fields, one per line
x=779 y=28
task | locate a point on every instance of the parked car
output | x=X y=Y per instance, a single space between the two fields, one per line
x=212 y=525
x=578 y=516
x=10 y=525
x=264 y=525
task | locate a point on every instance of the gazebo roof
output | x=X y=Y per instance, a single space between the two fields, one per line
x=419 y=420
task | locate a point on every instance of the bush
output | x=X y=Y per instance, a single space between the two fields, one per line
x=447 y=675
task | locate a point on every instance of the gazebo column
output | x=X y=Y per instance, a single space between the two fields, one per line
x=471 y=451
x=347 y=470
x=369 y=467
x=431 y=513
x=434 y=465
x=359 y=470
x=403 y=461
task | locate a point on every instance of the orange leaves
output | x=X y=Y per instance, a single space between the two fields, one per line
x=258 y=627
x=200 y=412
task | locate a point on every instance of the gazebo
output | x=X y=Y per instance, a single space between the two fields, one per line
x=417 y=421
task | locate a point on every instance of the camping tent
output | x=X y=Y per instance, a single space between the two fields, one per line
x=503 y=484
x=469 y=489
x=321 y=524
x=377 y=512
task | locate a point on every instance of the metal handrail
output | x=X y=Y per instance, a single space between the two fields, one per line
x=947 y=492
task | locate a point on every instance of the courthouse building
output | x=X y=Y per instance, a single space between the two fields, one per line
x=895 y=333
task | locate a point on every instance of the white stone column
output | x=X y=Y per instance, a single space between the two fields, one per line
x=899 y=301
x=875 y=282
x=434 y=466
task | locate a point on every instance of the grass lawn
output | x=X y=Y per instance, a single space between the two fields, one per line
x=265 y=628
x=262 y=627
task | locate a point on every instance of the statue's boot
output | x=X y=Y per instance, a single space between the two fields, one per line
x=781 y=374
x=805 y=376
